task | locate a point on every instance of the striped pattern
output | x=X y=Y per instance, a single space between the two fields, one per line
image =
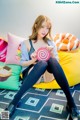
x=3 y=49
x=66 y=41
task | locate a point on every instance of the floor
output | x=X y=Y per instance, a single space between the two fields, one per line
x=39 y=104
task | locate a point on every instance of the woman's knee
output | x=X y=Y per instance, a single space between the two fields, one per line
x=42 y=63
x=53 y=60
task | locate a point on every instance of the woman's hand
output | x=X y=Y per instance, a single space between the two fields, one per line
x=34 y=57
x=50 y=48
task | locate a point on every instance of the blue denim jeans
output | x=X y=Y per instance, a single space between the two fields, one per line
x=39 y=68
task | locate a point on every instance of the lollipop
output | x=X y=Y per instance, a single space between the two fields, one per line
x=43 y=54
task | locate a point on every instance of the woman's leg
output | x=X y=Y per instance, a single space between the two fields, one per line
x=55 y=68
x=30 y=80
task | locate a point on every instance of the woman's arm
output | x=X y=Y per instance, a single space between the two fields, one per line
x=25 y=61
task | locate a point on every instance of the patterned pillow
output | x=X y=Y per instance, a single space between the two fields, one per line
x=3 y=49
x=66 y=41
x=9 y=76
x=13 y=49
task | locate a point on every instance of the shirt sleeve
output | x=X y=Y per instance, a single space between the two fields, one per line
x=24 y=53
x=52 y=43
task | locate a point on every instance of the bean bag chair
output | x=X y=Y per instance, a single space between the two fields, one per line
x=70 y=62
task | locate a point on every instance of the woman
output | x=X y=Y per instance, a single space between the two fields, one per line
x=41 y=37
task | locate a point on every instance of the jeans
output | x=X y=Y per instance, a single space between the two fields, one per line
x=39 y=68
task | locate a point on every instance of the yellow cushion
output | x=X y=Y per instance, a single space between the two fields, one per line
x=70 y=62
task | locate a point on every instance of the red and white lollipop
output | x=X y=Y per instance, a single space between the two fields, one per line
x=43 y=54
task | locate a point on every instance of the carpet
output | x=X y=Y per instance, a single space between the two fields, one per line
x=39 y=104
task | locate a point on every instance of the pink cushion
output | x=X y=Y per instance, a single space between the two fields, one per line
x=13 y=49
x=3 y=50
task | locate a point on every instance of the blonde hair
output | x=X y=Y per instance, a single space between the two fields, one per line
x=37 y=25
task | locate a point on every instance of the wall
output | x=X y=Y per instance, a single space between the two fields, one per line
x=17 y=16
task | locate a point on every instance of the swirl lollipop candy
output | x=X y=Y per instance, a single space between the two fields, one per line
x=43 y=54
